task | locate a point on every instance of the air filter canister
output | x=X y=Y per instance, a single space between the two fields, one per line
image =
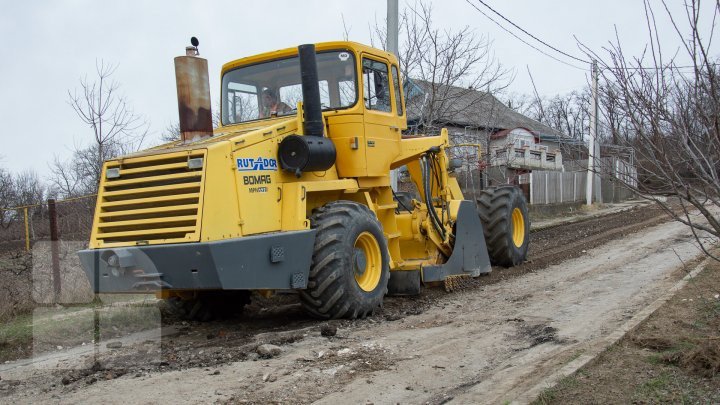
x=306 y=154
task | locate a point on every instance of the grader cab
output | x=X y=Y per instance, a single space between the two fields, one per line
x=291 y=192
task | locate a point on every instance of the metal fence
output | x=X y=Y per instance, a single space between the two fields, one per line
x=553 y=187
x=69 y=219
x=610 y=168
x=38 y=254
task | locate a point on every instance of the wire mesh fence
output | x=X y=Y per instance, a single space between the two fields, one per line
x=38 y=260
x=43 y=287
x=22 y=227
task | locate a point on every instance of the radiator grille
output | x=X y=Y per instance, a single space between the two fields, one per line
x=155 y=199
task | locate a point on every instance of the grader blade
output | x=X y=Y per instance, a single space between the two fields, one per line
x=470 y=255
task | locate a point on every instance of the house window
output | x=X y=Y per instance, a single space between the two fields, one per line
x=521 y=143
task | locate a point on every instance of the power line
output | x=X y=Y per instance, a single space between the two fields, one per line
x=522 y=40
x=558 y=50
x=669 y=67
x=531 y=35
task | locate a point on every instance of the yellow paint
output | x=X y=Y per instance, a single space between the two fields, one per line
x=518 y=223
x=27 y=230
x=367 y=262
x=155 y=203
x=157 y=199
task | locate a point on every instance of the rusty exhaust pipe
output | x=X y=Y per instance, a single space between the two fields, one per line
x=193 y=93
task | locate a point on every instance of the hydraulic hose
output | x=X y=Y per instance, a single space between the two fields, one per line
x=428 y=197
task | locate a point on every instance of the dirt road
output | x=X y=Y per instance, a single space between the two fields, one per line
x=487 y=343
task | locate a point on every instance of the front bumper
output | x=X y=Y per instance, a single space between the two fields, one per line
x=269 y=261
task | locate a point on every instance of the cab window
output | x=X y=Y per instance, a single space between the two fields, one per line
x=273 y=88
x=376 y=85
x=398 y=97
x=292 y=94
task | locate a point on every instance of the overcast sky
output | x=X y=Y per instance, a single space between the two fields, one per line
x=49 y=45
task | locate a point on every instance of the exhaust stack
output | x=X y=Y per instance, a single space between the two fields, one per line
x=310 y=152
x=313 y=124
x=193 y=93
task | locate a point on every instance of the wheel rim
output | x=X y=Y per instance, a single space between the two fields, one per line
x=518 y=227
x=367 y=262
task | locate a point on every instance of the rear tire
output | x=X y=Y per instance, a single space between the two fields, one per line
x=350 y=263
x=504 y=214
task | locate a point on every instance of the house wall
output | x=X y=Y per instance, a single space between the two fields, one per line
x=551 y=145
x=518 y=136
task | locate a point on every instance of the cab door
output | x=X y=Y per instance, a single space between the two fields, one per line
x=381 y=122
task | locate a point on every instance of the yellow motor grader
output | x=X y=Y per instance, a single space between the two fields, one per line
x=292 y=192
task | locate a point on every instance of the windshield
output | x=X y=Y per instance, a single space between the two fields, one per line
x=272 y=89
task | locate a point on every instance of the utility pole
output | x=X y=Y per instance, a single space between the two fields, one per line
x=392 y=27
x=592 y=148
x=597 y=184
x=391 y=45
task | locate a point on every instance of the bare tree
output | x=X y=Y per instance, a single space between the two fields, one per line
x=65 y=180
x=115 y=130
x=28 y=189
x=450 y=76
x=523 y=104
x=171 y=133
x=19 y=190
x=7 y=198
x=670 y=114
x=567 y=113
x=452 y=69
x=107 y=113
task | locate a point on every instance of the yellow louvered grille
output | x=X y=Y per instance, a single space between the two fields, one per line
x=155 y=199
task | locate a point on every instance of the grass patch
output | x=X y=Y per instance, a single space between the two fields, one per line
x=16 y=337
x=549 y=394
x=576 y=356
x=545 y=397
x=47 y=328
x=655 y=387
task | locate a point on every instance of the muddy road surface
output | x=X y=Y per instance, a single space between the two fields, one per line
x=488 y=341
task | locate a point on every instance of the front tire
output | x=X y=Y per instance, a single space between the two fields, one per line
x=504 y=214
x=350 y=264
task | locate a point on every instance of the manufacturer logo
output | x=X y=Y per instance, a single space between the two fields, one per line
x=260 y=163
x=263 y=179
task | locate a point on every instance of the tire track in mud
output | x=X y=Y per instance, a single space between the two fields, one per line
x=280 y=320
x=282 y=316
x=558 y=243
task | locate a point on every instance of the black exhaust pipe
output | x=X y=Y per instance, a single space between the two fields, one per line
x=312 y=152
x=313 y=124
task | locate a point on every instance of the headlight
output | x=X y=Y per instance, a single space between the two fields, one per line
x=113 y=173
x=196 y=163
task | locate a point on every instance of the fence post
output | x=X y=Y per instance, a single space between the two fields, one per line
x=54 y=237
x=532 y=200
x=27 y=230
x=574 y=186
x=547 y=195
x=562 y=180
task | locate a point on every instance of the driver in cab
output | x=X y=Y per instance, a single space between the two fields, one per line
x=272 y=106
